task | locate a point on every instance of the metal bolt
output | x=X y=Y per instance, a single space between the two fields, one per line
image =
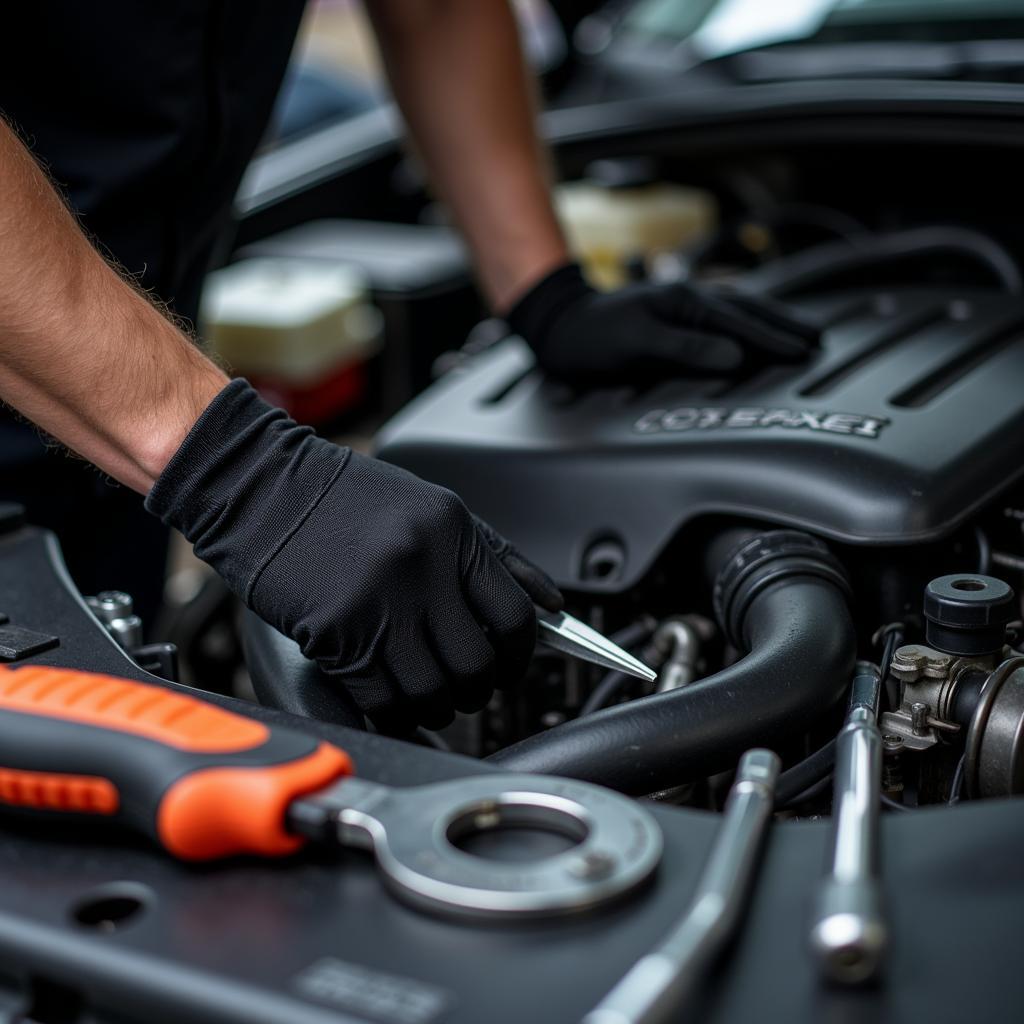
x=116 y=603
x=115 y=610
x=892 y=741
x=592 y=866
x=919 y=718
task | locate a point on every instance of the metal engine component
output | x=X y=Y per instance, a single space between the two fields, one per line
x=678 y=642
x=975 y=696
x=115 y=609
x=994 y=764
x=930 y=678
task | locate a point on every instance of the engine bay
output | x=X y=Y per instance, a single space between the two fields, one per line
x=808 y=809
x=897 y=447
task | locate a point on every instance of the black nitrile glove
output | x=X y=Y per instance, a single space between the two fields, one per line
x=387 y=581
x=580 y=334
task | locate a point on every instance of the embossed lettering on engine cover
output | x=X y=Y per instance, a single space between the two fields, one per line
x=688 y=417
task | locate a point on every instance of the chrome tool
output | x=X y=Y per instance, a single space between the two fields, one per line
x=564 y=633
x=656 y=987
x=205 y=783
x=850 y=935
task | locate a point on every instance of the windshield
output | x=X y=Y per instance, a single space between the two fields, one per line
x=715 y=28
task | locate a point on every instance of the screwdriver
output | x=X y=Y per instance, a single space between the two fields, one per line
x=199 y=780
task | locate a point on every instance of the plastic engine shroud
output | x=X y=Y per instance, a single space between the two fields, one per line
x=909 y=417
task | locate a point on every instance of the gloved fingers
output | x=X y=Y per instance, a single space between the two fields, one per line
x=776 y=314
x=715 y=315
x=422 y=681
x=505 y=612
x=535 y=581
x=378 y=697
x=694 y=352
x=467 y=658
x=753 y=330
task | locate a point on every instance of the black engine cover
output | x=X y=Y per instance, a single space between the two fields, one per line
x=909 y=418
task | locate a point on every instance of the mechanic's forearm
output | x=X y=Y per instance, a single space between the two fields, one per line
x=82 y=353
x=457 y=71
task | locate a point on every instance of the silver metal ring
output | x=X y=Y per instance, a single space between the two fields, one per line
x=617 y=845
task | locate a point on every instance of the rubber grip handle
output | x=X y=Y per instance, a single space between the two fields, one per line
x=198 y=779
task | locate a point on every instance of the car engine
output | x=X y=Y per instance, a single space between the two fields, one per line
x=751 y=538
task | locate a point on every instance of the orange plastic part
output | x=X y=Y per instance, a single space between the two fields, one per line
x=49 y=791
x=220 y=812
x=128 y=706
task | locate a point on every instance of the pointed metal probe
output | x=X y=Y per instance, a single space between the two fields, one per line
x=567 y=634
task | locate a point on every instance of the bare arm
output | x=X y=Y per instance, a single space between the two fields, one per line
x=82 y=353
x=458 y=74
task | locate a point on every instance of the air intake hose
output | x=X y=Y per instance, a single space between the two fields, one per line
x=782 y=597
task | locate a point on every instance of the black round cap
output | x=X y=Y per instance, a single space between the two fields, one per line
x=967 y=613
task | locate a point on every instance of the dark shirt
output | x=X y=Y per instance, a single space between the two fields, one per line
x=146 y=113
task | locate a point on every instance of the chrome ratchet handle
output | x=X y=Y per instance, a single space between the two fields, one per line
x=849 y=934
x=656 y=987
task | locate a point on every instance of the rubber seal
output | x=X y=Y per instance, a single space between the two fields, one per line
x=762 y=561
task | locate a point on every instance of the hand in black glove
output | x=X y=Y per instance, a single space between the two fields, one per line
x=580 y=334
x=389 y=582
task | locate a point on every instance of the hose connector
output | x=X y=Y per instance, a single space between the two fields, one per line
x=762 y=561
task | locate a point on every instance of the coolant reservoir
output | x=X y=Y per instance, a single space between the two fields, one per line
x=619 y=214
x=300 y=330
x=290 y=318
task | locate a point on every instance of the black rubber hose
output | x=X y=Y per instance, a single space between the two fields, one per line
x=817 y=266
x=781 y=597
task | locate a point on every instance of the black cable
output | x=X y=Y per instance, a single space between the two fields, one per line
x=627 y=638
x=604 y=691
x=984 y=550
x=632 y=634
x=796 y=781
x=893 y=633
x=810 y=793
x=805 y=775
x=891 y=804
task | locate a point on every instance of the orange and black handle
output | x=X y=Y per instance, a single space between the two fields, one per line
x=200 y=780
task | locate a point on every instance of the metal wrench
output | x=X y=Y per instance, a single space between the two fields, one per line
x=205 y=783
x=657 y=986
